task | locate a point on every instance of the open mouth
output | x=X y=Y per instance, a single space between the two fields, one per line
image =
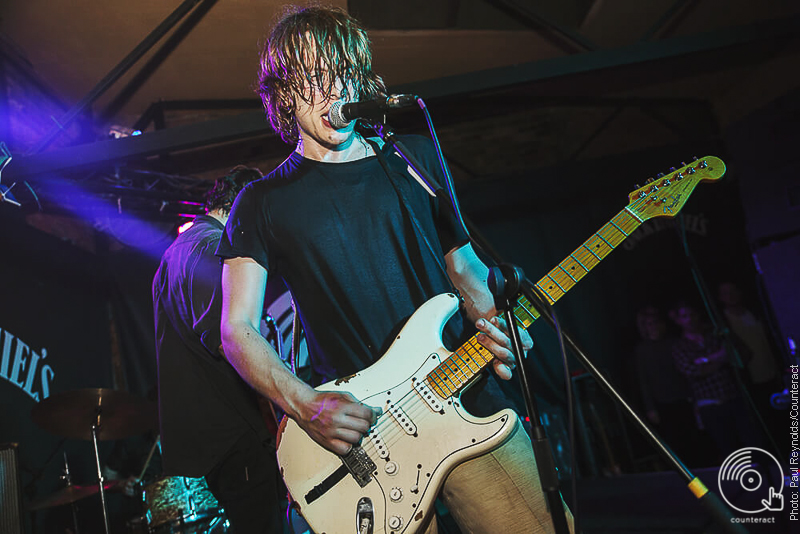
x=325 y=121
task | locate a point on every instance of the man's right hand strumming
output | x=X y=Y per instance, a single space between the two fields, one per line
x=337 y=421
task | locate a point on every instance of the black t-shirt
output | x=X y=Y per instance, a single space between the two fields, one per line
x=204 y=406
x=360 y=253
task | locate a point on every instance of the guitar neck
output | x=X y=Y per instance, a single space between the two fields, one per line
x=455 y=372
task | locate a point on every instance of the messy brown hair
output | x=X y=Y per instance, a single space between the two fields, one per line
x=310 y=45
x=225 y=188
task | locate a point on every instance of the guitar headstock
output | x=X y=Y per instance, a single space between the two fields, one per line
x=666 y=195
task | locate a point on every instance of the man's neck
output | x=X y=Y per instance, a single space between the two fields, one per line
x=219 y=215
x=357 y=148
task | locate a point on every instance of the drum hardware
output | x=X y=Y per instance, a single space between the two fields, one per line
x=96 y=414
x=182 y=504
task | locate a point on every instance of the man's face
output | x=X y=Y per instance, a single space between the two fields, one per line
x=312 y=116
x=687 y=318
x=654 y=328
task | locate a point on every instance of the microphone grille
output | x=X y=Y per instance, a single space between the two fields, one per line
x=335 y=116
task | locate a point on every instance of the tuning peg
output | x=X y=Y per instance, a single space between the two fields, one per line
x=671 y=169
x=650 y=181
x=690 y=170
x=660 y=175
x=703 y=164
x=694 y=158
x=683 y=164
x=679 y=176
x=637 y=186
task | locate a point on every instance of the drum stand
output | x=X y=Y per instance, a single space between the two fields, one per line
x=100 y=480
x=68 y=479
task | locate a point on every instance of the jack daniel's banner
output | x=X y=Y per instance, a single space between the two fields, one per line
x=54 y=337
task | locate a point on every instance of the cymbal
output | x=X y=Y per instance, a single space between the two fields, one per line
x=117 y=414
x=69 y=495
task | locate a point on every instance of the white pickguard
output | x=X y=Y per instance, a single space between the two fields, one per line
x=405 y=483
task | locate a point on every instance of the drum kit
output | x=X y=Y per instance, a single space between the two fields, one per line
x=172 y=504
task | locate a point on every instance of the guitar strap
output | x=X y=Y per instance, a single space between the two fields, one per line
x=406 y=207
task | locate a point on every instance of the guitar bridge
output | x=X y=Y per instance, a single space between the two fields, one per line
x=359 y=464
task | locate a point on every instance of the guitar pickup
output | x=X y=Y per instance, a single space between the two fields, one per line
x=377 y=441
x=428 y=396
x=402 y=418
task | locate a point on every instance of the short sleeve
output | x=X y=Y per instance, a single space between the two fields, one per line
x=246 y=230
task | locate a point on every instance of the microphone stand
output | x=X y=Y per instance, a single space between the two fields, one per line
x=708 y=499
x=504 y=283
x=507 y=289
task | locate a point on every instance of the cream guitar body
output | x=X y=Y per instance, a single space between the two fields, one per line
x=403 y=462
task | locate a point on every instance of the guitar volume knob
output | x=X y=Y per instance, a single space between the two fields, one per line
x=390 y=468
x=395 y=494
x=395 y=522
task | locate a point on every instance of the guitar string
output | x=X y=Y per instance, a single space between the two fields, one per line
x=389 y=436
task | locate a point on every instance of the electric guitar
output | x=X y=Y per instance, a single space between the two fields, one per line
x=388 y=483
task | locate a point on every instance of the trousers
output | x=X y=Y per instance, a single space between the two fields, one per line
x=499 y=492
x=245 y=483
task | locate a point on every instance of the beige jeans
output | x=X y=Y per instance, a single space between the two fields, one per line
x=499 y=492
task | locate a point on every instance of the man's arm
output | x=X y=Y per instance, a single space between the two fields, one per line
x=469 y=275
x=334 y=420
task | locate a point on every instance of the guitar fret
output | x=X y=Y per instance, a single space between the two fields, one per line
x=604 y=240
x=480 y=350
x=437 y=389
x=579 y=262
x=598 y=245
x=539 y=285
x=525 y=309
x=457 y=369
x=618 y=228
x=556 y=282
x=528 y=307
x=615 y=234
x=448 y=375
x=466 y=362
x=519 y=320
x=563 y=269
x=592 y=251
x=441 y=383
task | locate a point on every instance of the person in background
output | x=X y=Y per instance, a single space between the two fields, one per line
x=665 y=392
x=211 y=424
x=700 y=355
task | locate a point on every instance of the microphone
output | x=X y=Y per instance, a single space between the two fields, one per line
x=341 y=114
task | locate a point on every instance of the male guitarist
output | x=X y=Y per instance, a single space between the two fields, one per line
x=360 y=245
